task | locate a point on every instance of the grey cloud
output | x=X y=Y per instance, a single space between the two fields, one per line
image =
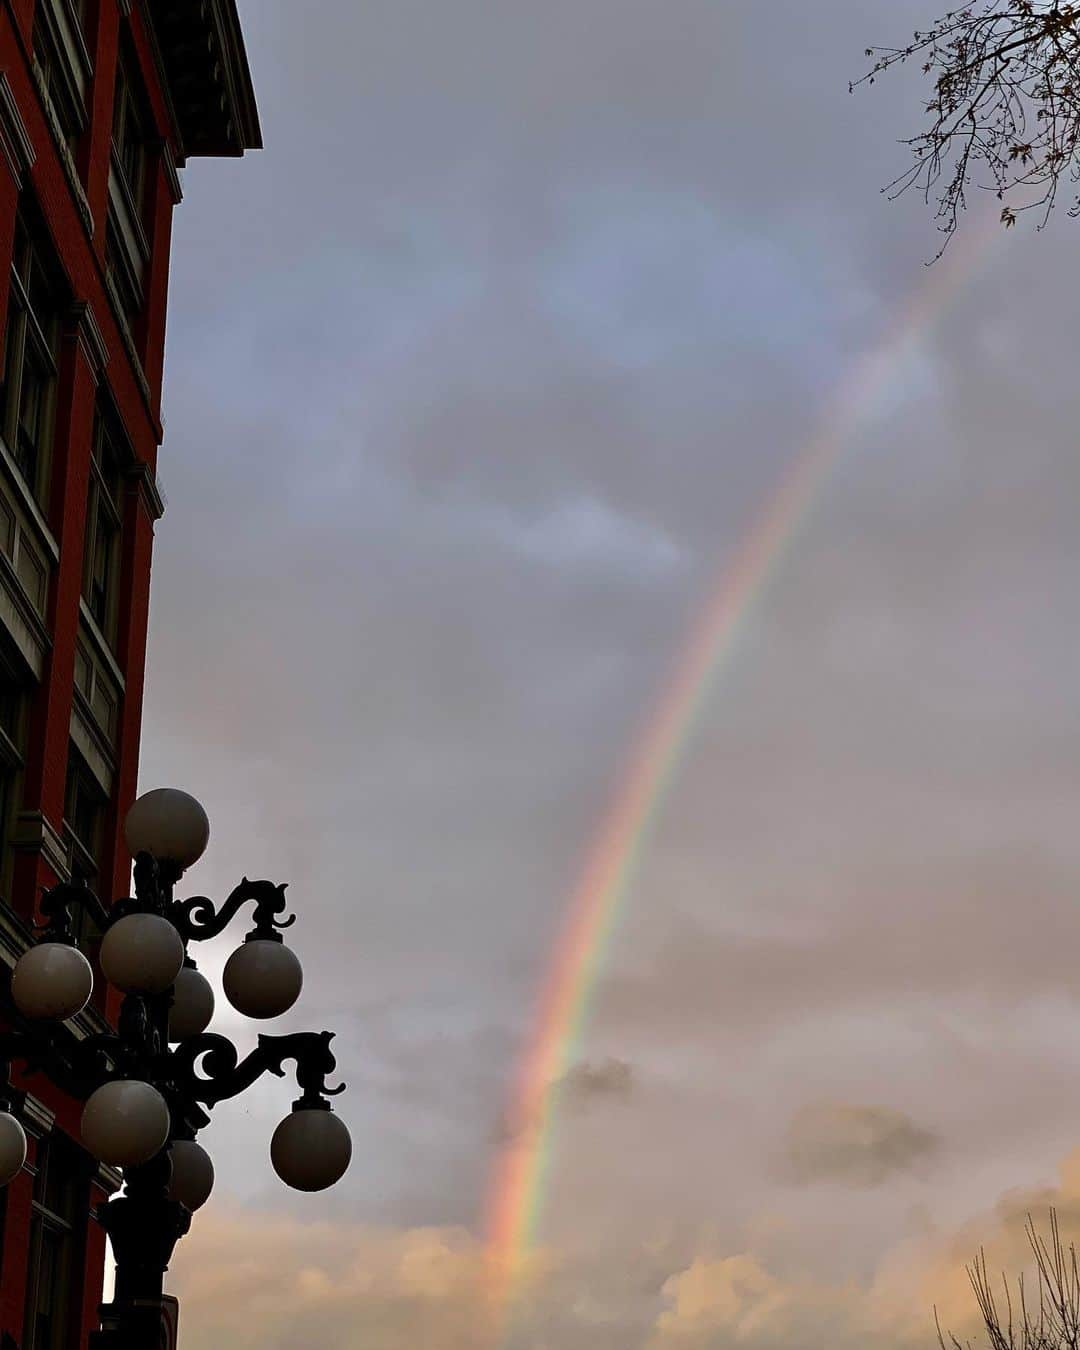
x=583 y=1085
x=853 y=1145
x=588 y=1081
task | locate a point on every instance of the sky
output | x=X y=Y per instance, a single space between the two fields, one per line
x=477 y=378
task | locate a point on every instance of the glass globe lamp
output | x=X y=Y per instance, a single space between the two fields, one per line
x=125 y=1123
x=262 y=978
x=12 y=1148
x=51 y=982
x=142 y=954
x=168 y=824
x=192 y=1173
x=192 y=1005
x=311 y=1149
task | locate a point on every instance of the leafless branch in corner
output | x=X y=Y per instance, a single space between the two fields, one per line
x=1013 y=1322
x=1004 y=111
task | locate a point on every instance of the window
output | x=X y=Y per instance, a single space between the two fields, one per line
x=31 y=347
x=58 y=1217
x=62 y=85
x=127 y=249
x=103 y=524
x=126 y=283
x=84 y=815
x=14 y=716
x=131 y=131
x=84 y=822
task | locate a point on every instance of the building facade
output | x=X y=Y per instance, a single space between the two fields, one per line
x=101 y=103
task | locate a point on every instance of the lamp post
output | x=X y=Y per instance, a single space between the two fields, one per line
x=148 y=1086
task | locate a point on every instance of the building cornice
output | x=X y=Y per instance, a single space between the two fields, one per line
x=150 y=492
x=163 y=80
x=207 y=76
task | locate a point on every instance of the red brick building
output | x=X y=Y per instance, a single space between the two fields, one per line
x=101 y=102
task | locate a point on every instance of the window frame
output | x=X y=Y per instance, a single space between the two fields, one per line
x=105 y=501
x=84 y=857
x=32 y=337
x=132 y=152
x=69 y=1228
x=81 y=784
x=64 y=69
x=14 y=733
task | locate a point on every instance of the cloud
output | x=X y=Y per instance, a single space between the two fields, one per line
x=586 y=535
x=584 y=1084
x=742 y=1299
x=273 y=1281
x=587 y=1081
x=737 y=1298
x=853 y=1145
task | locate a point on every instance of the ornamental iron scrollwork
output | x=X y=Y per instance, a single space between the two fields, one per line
x=224 y=1074
x=197 y=918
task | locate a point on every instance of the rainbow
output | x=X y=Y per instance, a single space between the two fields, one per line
x=518 y=1177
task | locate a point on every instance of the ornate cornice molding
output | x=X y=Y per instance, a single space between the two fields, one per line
x=163 y=78
x=150 y=493
x=207 y=76
x=34 y=833
x=84 y=328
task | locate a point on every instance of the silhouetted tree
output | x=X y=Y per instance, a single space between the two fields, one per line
x=1005 y=98
x=1017 y=1320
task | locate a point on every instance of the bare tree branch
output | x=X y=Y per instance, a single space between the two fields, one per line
x=1052 y=1324
x=1004 y=110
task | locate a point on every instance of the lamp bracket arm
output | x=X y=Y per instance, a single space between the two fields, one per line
x=208 y=1068
x=197 y=918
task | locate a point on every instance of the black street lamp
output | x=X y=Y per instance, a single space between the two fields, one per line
x=149 y=1085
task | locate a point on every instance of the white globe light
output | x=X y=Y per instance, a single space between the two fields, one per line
x=192 y=1173
x=141 y=954
x=51 y=980
x=311 y=1149
x=12 y=1147
x=192 y=1005
x=262 y=978
x=125 y=1123
x=168 y=824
